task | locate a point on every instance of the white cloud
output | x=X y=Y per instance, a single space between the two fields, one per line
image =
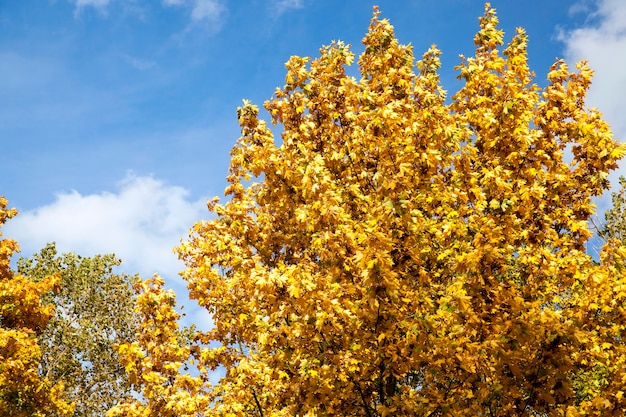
x=141 y=223
x=602 y=42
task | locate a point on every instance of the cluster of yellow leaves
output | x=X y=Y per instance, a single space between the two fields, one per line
x=156 y=360
x=23 y=391
x=395 y=254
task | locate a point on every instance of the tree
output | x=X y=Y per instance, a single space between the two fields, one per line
x=396 y=254
x=95 y=310
x=23 y=391
x=615 y=217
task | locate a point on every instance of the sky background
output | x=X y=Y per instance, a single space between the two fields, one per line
x=117 y=116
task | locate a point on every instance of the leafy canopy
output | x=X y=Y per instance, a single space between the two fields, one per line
x=156 y=361
x=23 y=391
x=394 y=253
x=94 y=311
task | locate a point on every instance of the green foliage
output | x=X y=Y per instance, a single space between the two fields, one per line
x=615 y=225
x=94 y=311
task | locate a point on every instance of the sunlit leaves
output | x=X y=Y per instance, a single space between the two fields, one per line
x=156 y=362
x=397 y=253
x=23 y=391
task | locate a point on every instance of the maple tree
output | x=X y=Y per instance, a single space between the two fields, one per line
x=23 y=391
x=94 y=311
x=394 y=253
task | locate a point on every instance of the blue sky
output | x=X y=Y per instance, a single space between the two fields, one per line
x=117 y=116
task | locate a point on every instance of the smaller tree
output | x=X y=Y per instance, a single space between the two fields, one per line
x=615 y=217
x=23 y=390
x=95 y=310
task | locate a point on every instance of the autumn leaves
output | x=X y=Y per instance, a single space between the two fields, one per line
x=395 y=252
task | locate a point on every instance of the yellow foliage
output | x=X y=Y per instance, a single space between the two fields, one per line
x=154 y=362
x=23 y=391
x=394 y=253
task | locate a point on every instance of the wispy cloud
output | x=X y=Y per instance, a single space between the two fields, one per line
x=140 y=222
x=99 y=5
x=138 y=63
x=281 y=6
x=210 y=10
x=200 y=10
